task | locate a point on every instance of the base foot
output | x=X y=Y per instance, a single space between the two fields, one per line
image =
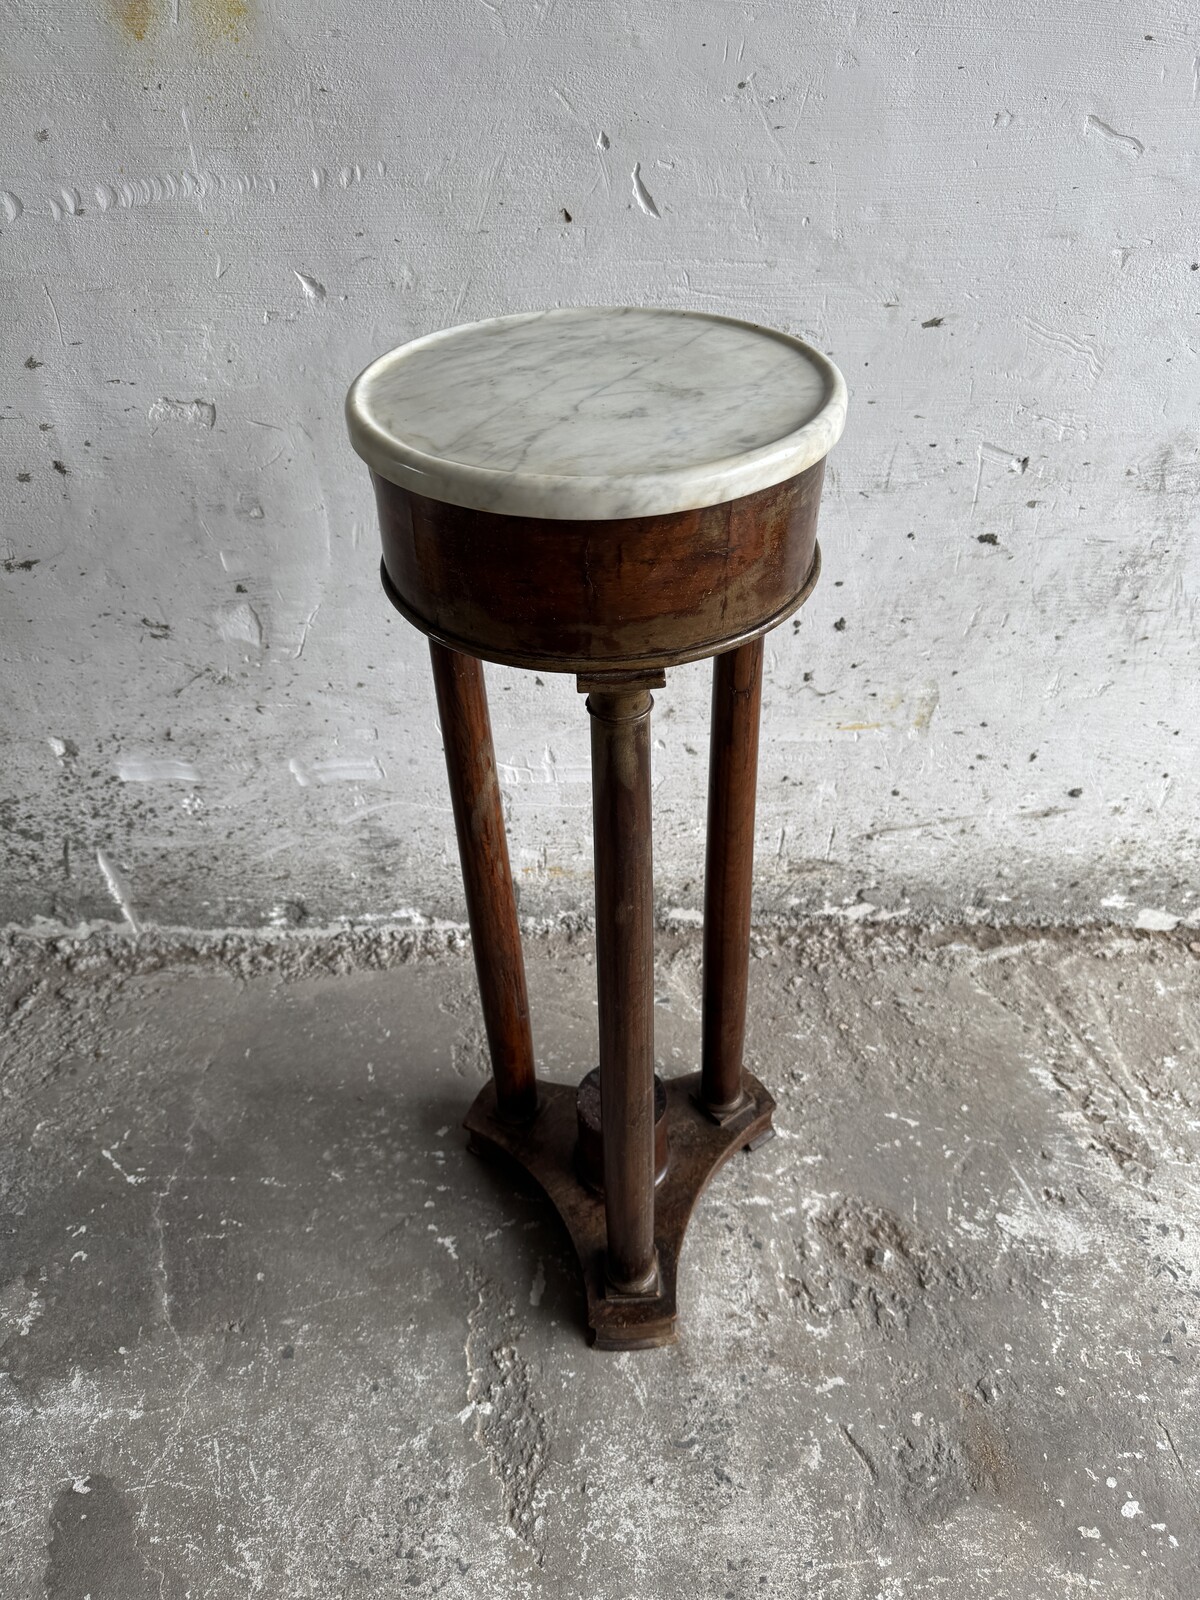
x=545 y=1148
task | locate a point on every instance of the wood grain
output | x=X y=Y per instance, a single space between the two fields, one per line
x=620 y=722
x=728 y=872
x=487 y=877
x=638 y=592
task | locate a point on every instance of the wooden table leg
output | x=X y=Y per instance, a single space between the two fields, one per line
x=629 y=1239
x=625 y=980
x=733 y=774
x=487 y=878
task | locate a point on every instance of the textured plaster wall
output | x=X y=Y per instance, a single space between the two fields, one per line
x=214 y=213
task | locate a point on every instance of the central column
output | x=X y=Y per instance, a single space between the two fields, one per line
x=625 y=979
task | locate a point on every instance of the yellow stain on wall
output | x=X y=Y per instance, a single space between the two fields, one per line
x=216 y=21
x=135 y=17
x=220 y=19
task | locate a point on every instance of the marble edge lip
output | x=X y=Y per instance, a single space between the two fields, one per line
x=578 y=498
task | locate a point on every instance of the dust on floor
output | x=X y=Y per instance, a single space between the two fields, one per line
x=266 y=1328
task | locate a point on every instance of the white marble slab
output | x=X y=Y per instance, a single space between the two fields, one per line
x=596 y=412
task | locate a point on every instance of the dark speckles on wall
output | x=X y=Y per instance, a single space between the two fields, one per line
x=1065 y=332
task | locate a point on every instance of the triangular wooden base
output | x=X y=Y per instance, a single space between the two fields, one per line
x=698 y=1146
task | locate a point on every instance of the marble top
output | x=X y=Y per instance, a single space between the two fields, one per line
x=596 y=412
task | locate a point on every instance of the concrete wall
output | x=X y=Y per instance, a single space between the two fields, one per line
x=214 y=213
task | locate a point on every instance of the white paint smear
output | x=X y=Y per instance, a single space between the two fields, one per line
x=548 y=770
x=859 y=911
x=117 y=887
x=313 y=290
x=642 y=195
x=335 y=769
x=1123 y=141
x=130 y=1177
x=1154 y=921
x=156 y=769
x=239 y=623
x=187 y=413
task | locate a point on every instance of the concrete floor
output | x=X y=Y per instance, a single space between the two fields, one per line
x=267 y=1329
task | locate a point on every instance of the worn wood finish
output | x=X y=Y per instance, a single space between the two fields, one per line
x=589 y=1150
x=620 y=720
x=699 y=1147
x=487 y=878
x=616 y=603
x=728 y=872
x=572 y=596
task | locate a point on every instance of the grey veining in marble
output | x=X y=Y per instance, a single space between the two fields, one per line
x=596 y=412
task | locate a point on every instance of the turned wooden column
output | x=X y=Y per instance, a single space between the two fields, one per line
x=625 y=980
x=487 y=878
x=728 y=873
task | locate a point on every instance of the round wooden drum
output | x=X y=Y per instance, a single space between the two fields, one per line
x=598 y=488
